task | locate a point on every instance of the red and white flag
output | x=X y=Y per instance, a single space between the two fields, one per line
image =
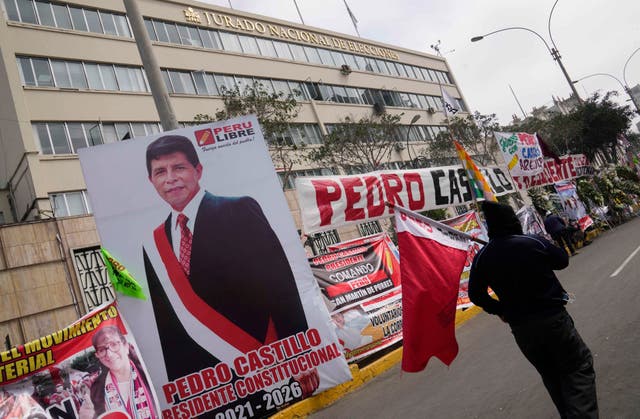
x=431 y=262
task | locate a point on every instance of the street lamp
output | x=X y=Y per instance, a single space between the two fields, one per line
x=555 y=54
x=624 y=86
x=413 y=121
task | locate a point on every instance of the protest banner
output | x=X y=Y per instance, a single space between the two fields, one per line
x=521 y=152
x=200 y=220
x=467 y=223
x=573 y=206
x=566 y=168
x=329 y=202
x=375 y=322
x=354 y=274
x=531 y=222
x=80 y=371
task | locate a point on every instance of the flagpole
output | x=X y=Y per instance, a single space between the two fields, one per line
x=299 y=14
x=434 y=223
x=353 y=18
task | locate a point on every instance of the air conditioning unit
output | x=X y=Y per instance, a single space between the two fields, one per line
x=345 y=69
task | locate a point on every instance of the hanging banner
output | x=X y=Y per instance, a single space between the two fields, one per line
x=355 y=274
x=469 y=223
x=568 y=167
x=573 y=206
x=91 y=368
x=376 y=322
x=329 y=202
x=234 y=323
x=521 y=152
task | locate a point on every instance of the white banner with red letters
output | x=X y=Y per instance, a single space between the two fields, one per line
x=569 y=167
x=329 y=202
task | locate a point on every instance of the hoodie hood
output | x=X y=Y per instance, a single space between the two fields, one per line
x=501 y=219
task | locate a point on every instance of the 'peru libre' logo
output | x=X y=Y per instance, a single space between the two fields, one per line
x=205 y=137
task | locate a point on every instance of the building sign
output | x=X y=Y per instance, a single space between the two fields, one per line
x=236 y=23
x=92 y=277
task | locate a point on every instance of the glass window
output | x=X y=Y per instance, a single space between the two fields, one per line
x=93 y=76
x=76 y=72
x=298 y=52
x=326 y=92
x=338 y=58
x=225 y=83
x=313 y=91
x=60 y=73
x=266 y=48
x=415 y=103
x=211 y=84
x=59 y=138
x=161 y=31
x=445 y=77
x=325 y=57
x=122 y=129
x=401 y=70
x=43 y=137
x=12 y=10
x=283 y=50
x=297 y=90
x=382 y=65
x=45 y=13
x=194 y=36
x=138 y=129
x=312 y=55
x=93 y=133
x=249 y=45
x=176 y=81
x=61 y=14
x=26 y=71
x=76 y=204
x=187 y=82
x=411 y=71
x=201 y=86
x=313 y=134
x=172 y=32
x=76 y=134
x=422 y=102
x=109 y=133
x=108 y=23
x=366 y=96
x=139 y=80
x=108 y=76
x=371 y=65
x=215 y=38
x=352 y=95
x=281 y=86
x=150 y=30
x=267 y=85
x=340 y=94
x=230 y=42
x=59 y=205
x=351 y=61
x=93 y=21
x=77 y=17
x=27 y=14
x=404 y=100
x=124 y=80
x=432 y=75
x=419 y=73
x=183 y=31
x=122 y=26
x=361 y=62
x=205 y=36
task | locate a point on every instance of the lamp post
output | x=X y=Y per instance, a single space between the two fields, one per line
x=624 y=77
x=555 y=54
x=624 y=86
x=413 y=121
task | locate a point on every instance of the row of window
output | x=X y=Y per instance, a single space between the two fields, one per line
x=65 y=16
x=291 y=179
x=205 y=83
x=68 y=137
x=298 y=134
x=81 y=75
x=66 y=204
x=182 y=34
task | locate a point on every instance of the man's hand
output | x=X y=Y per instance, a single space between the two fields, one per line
x=309 y=382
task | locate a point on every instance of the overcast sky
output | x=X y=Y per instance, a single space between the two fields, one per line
x=593 y=36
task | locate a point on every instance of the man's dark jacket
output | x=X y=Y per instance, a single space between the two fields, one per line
x=239 y=268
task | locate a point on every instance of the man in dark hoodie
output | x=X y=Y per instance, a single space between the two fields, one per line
x=519 y=268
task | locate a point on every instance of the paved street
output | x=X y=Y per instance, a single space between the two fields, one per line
x=491 y=379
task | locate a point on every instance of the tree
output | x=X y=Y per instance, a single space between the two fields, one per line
x=592 y=128
x=366 y=143
x=475 y=133
x=274 y=110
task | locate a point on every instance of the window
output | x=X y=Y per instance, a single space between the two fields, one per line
x=45 y=13
x=108 y=23
x=266 y=48
x=312 y=55
x=42 y=71
x=283 y=50
x=298 y=52
x=230 y=42
x=93 y=21
x=172 y=32
x=61 y=14
x=27 y=13
x=69 y=203
x=161 y=31
x=249 y=45
x=325 y=57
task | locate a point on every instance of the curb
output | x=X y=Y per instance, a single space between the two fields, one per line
x=360 y=377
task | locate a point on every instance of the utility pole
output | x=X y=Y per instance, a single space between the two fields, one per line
x=151 y=68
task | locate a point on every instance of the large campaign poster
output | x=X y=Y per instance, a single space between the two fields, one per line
x=572 y=205
x=91 y=368
x=375 y=321
x=234 y=323
x=469 y=223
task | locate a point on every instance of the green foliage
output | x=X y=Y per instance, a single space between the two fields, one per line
x=366 y=143
x=274 y=111
x=626 y=173
x=436 y=214
x=540 y=200
x=475 y=133
x=593 y=127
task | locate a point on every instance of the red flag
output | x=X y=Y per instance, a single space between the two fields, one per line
x=431 y=262
x=546 y=150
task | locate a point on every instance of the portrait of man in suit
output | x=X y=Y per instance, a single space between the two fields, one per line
x=220 y=276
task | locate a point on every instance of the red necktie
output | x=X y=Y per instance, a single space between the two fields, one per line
x=185 y=243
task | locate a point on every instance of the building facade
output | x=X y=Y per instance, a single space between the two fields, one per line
x=71 y=76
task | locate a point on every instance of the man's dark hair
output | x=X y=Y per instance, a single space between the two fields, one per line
x=171 y=144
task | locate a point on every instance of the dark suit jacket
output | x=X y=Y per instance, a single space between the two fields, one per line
x=239 y=268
